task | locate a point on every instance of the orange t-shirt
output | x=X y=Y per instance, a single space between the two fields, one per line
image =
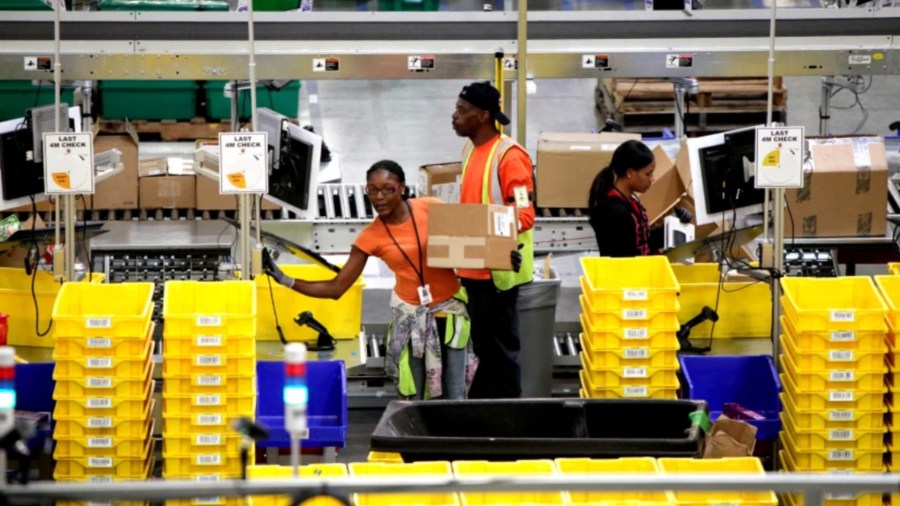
x=515 y=170
x=374 y=240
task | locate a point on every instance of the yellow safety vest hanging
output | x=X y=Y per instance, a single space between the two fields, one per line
x=492 y=193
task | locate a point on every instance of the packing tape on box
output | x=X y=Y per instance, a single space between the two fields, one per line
x=461 y=252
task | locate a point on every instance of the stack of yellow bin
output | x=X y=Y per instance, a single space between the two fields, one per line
x=833 y=358
x=104 y=382
x=890 y=291
x=209 y=380
x=735 y=465
x=629 y=320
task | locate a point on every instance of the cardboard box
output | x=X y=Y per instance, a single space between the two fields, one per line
x=729 y=438
x=567 y=164
x=471 y=236
x=168 y=192
x=668 y=189
x=441 y=181
x=154 y=167
x=844 y=190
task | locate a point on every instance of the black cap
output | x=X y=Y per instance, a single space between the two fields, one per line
x=484 y=96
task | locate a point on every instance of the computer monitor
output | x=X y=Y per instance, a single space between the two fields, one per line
x=43 y=119
x=272 y=123
x=294 y=182
x=722 y=176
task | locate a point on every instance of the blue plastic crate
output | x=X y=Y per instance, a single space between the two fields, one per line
x=750 y=381
x=34 y=392
x=327 y=409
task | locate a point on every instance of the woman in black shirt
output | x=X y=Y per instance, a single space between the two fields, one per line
x=616 y=214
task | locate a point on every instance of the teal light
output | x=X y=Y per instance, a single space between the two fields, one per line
x=7 y=399
x=296 y=395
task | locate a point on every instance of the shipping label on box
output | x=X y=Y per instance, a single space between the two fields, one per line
x=567 y=164
x=844 y=190
x=471 y=236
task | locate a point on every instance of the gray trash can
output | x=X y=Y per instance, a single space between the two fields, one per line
x=537 y=316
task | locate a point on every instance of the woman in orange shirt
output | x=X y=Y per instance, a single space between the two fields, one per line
x=428 y=350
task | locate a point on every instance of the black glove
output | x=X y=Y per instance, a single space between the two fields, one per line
x=271 y=269
x=515 y=258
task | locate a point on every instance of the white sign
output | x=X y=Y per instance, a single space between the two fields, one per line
x=243 y=162
x=69 y=163
x=779 y=157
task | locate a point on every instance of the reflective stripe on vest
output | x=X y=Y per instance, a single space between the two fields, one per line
x=492 y=193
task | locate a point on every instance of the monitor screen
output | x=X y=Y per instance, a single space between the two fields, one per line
x=722 y=171
x=272 y=123
x=296 y=177
x=20 y=175
x=43 y=119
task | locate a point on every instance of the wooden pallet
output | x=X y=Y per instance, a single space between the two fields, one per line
x=166 y=130
x=712 y=92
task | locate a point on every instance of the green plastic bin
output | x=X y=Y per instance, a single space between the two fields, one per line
x=149 y=100
x=284 y=101
x=275 y=5
x=23 y=5
x=17 y=96
x=162 y=5
x=408 y=5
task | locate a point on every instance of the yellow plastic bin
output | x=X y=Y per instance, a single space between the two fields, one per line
x=826 y=400
x=830 y=439
x=664 y=377
x=744 y=306
x=209 y=308
x=260 y=473
x=194 y=404
x=101 y=405
x=119 y=447
x=642 y=391
x=104 y=426
x=831 y=460
x=629 y=356
x=101 y=386
x=659 y=338
x=834 y=339
x=132 y=367
x=613 y=284
x=223 y=384
x=826 y=360
x=436 y=469
x=647 y=321
x=835 y=379
x=825 y=304
x=841 y=418
x=519 y=469
x=342 y=317
x=209 y=364
x=387 y=457
x=748 y=465
x=120 y=310
x=889 y=287
x=643 y=466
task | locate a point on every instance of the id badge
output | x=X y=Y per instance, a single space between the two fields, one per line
x=425 y=295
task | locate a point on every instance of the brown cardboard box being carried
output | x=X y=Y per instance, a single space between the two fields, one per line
x=844 y=190
x=567 y=164
x=441 y=180
x=729 y=438
x=471 y=236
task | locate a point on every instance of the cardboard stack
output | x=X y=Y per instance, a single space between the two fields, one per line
x=833 y=350
x=629 y=320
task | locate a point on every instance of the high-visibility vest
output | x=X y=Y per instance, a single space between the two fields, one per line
x=492 y=193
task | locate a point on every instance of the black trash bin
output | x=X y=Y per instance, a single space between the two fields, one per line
x=512 y=429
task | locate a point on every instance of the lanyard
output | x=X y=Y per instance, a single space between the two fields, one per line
x=420 y=272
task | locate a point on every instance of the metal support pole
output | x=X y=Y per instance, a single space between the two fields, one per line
x=70 y=237
x=58 y=263
x=235 y=114
x=825 y=106
x=680 y=92
x=252 y=268
x=778 y=207
x=295 y=455
x=522 y=75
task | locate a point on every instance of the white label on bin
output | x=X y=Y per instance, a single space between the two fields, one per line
x=100 y=479
x=99 y=402
x=99 y=382
x=841 y=497
x=209 y=380
x=209 y=420
x=208 y=400
x=641 y=391
x=634 y=314
x=100 y=462
x=100 y=442
x=209 y=460
x=98 y=503
x=840 y=435
x=637 y=352
x=637 y=333
x=207 y=500
x=99 y=342
x=840 y=395
x=209 y=478
x=841 y=376
x=634 y=372
x=840 y=415
x=724 y=504
x=840 y=355
x=208 y=439
x=209 y=341
x=100 y=422
x=632 y=294
x=208 y=360
x=99 y=362
x=98 y=323
x=209 y=321
x=842 y=336
x=843 y=316
x=840 y=454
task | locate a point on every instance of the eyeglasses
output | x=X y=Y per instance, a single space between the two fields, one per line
x=386 y=191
